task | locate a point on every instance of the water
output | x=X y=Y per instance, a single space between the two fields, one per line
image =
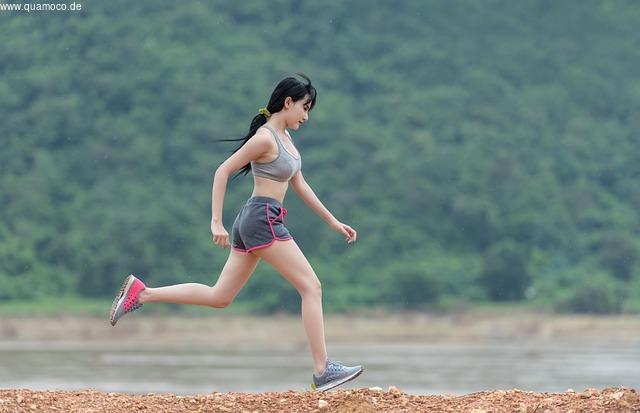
x=418 y=368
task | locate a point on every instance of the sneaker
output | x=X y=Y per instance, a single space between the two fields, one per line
x=335 y=374
x=127 y=299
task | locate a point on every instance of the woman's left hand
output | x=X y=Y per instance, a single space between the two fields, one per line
x=349 y=233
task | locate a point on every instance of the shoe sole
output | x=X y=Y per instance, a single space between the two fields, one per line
x=120 y=297
x=338 y=382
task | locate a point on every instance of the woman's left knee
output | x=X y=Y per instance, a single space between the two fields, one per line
x=220 y=298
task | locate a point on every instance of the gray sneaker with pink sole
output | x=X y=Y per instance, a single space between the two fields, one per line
x=335 y=374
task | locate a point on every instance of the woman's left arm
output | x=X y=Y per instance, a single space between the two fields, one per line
x=304 y=191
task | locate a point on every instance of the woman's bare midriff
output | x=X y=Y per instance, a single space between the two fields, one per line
x=269 y=187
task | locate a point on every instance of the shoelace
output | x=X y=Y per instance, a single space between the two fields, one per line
x=335 y=366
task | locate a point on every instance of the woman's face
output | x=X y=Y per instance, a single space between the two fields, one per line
x=297 y=112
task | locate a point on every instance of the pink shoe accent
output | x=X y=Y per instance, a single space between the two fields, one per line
x=131 y=301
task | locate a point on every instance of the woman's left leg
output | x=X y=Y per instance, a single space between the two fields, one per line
x=287 y=258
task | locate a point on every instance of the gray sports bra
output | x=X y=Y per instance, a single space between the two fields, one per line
x=280 y=169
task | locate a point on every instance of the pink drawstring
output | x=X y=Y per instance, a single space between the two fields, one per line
x=283 y=214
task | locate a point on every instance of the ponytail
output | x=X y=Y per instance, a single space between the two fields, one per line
x=257 y=121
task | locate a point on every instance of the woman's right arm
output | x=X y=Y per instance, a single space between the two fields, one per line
x=255 y=147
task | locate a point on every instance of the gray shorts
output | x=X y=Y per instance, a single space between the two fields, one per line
x=259 y=224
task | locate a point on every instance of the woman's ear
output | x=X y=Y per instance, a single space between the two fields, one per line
x=288 y=102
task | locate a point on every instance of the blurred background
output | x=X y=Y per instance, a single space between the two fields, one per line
x=486 y=152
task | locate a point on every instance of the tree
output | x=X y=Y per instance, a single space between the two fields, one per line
x=505 y=275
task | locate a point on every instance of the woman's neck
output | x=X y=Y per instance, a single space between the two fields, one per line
x=277 y=123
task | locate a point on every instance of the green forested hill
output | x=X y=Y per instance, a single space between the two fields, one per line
x=484 y=150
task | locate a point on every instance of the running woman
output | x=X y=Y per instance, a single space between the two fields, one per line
x=258 y=232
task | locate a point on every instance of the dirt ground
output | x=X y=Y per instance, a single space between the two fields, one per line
x=341 y=401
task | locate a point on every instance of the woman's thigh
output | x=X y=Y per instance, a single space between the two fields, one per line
x=236 y=272
x=287 y=258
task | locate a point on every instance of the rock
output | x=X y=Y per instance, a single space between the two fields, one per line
x=322 y=404
x=570 y=391
x=376 y=388
x=617 y=395
x=632 y=397
x=394 y=390
x=589 y=393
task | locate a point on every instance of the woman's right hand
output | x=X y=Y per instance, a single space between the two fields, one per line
x=220 y=235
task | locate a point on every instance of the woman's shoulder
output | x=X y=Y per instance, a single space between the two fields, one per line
x=263 y=133
x=264 y=136
x=262 y=140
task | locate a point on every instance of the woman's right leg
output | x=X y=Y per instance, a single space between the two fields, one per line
x=234 y=276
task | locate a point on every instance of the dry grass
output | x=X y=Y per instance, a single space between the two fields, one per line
x=226 y=328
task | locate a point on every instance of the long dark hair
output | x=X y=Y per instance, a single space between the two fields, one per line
x=288 y=87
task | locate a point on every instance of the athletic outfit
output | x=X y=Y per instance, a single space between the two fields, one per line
x=259 y=224
x=280 y=169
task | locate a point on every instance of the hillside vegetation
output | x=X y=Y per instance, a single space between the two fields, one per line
x=485 y=151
